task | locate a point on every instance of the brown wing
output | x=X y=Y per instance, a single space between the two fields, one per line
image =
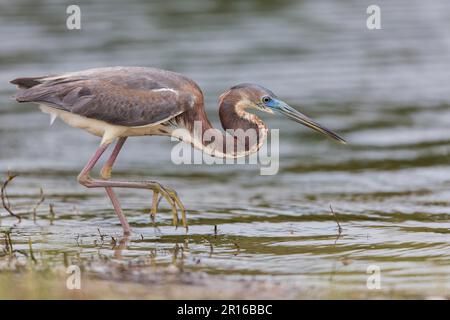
x=130 y=96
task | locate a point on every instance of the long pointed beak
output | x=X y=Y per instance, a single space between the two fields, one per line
x=293 y=114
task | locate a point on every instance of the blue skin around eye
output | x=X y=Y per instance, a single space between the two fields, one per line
x=272 y=103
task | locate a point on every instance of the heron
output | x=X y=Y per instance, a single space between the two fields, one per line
x=115 y=103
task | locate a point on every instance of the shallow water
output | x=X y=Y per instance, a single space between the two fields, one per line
x=385 y=91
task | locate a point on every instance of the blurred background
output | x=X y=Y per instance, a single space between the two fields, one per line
x=386 y=91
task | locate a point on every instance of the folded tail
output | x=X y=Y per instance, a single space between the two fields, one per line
x=28 y=82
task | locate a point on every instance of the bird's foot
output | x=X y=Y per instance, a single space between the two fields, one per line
x=180 y=205
x=167 y=193
x=155 y=203
x=172 y=198
x=84 y=179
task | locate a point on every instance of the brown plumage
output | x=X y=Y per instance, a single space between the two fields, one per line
x=130 y=96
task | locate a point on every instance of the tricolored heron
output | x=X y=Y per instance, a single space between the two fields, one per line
x=119 y=102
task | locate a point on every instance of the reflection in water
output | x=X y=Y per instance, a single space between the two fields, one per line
x=118 y=248
x=386 y=91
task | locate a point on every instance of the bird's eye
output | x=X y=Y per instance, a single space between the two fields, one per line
x=266 y=99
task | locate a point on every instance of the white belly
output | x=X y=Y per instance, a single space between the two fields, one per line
x=107 y=131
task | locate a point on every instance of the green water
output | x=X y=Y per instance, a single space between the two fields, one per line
x=385 y=91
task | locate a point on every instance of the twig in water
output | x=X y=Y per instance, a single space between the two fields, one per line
x=8 y=243
x=31 y=251
x=52 y=213
x=76 y=239
x=211 y=247
x=21 y=252
x=101 y=235
x=337 y=221
x=38 y=203
x=113 y=242
x=5 y=201
x=238 y=249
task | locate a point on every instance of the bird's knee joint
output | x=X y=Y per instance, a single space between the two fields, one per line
x=84 y=180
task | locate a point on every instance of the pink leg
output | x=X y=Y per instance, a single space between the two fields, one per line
x=169 y=194
x=106 y=174
x=106 y=170
x=83 y=177
x=84 y=174
x=118 y=209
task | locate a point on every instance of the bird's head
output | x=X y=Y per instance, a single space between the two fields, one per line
x=252 y=96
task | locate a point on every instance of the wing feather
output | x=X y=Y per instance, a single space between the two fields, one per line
x=130 y=96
